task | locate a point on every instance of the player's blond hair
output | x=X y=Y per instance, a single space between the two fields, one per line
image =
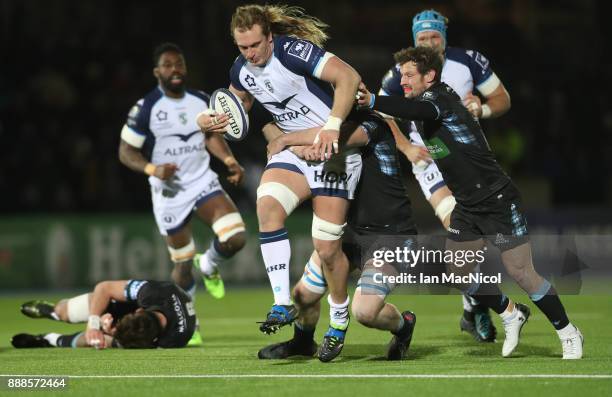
x=280 y=20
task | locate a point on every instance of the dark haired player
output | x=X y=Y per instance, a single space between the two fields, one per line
x=127 y=314
x=488 y=203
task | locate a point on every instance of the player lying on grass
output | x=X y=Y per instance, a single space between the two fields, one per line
x=370 y=226
x=488 y=204
x=127 y=314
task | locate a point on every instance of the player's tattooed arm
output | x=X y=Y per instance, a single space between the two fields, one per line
x=132 y=158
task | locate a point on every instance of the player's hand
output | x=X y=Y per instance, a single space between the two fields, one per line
x=165 y=171
x=235 y=169
x=363 y=96
x=210 y=121
x=416 y=153
x=473 y=105
x=107 y=323
x=326 y=144
x=95 y=338
x=304 y=152
x=276 y=146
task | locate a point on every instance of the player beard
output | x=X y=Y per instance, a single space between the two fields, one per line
x=175 y=88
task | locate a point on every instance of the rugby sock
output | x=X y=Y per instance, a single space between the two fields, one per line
x=491 y=296
x=338 y=313
x=302 y=334
x=547 y=300
x=191 y=290
x=213 y=257
x=276 y=253
x=65 y=340
x=52 y=338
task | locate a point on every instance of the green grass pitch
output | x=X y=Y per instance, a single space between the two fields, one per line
x=232 y=340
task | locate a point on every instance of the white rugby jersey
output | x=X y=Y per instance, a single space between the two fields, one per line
x=463 y=70
x=166 y=130
x=289 y=85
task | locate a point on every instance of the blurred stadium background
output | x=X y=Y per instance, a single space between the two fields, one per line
x=71 y=214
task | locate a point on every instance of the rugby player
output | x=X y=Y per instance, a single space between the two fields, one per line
x=162 y=139
x=283 y=66
x=463 y=70
x=488 y=203
x=123 y=313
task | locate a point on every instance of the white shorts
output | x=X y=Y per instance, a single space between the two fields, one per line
x=173 y=208
x=429 y=177
x=337 y=177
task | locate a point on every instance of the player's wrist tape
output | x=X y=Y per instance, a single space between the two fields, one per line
x=93 y=322
x=149 y=169
x=230 y=160
x=486 y=111
x=372 y=100
x=333 y=123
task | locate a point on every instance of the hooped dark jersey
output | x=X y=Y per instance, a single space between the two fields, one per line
x=174 y=303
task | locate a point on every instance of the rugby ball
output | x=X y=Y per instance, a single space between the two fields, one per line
x=224 y=101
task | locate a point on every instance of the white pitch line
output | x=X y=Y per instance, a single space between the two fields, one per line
x=331 y=376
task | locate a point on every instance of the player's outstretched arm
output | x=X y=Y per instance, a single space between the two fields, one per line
x=397 y=106
x=413 y=153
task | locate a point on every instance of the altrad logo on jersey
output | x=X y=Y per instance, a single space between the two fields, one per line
x=287 y=116
x=186 y=137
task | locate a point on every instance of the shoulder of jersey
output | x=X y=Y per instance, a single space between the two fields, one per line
x=199 y=94
x=224 y=101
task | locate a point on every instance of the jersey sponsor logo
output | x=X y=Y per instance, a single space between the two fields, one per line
x=179 y=151
x=300 y=49
x=268 y=85
x=134 y=111
x=331 y=176
x=273 y=268
x=454 y=231
x=180 y=315
x=190 y=309
x=185 y=137
x=168 y=218
x=436 y=148
x=282 y=104
x=161 y=115
x=292 y=115
x=183 y=118
x=250 y=80
x=481 y=60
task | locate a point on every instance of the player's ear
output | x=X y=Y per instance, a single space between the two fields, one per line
x=156 y=72
x=430 y=76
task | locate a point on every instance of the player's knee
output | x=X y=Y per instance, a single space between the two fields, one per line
x=182 y=256
x=327 y=237
x=445 y=208
x=275 y=202
x=234 y=244
x=61 y=309
x=363 y=314
x=230 y=230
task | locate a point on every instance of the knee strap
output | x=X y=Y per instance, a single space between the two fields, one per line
x=183 y=254
x=228 y=225
x=324 y=230
x=281 y=193
x=445 y=207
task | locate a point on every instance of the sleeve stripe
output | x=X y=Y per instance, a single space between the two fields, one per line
x=318 y=70
x=489 y=85
x=132 y=137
